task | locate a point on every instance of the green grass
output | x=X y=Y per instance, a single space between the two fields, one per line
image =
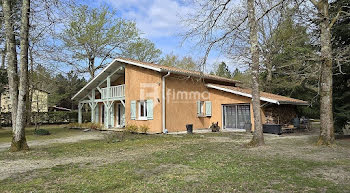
x=57 y=131
x=189 y=163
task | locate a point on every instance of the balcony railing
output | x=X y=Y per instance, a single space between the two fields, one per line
x=114 y=92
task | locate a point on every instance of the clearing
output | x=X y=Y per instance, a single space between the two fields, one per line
x=208 y=162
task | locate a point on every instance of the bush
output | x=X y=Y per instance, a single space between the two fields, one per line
x=144 y=129
x=41 y=132
x=215 y=127
x=132 y=128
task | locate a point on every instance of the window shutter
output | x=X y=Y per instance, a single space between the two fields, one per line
x=198 y=108
x=133 y=110
x=208 y=108
x=97 y=117
x=149 y=109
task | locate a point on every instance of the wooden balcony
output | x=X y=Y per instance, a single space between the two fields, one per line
x=115 y=92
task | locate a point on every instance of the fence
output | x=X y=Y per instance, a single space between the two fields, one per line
x=58 y=117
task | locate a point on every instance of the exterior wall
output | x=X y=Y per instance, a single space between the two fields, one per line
x=219 y=98
x=40 y=96
x=181 y=110
x=39 y=101
x=181 y=103
x=143 y=84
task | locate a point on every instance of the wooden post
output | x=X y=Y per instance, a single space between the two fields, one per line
x=93 y=106
x=80 y=118
x=106 y=115
x=108 y=87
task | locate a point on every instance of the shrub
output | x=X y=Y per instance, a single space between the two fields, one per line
x=215 y=127
x=144 y=129
x=41 y=132
x=132 y=128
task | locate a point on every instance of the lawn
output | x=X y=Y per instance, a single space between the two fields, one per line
x=57 y=131
x=212 y=162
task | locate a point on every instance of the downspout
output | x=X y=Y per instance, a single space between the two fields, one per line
x=163 y=102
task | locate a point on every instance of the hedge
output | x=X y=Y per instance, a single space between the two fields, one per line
x=58 y=117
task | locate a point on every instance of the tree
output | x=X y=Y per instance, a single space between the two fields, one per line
x=186 y=62
x=325 y=24
x=142 y=50
x=93 y=36
x=223 y=71
x=258 y=137
x=18 y=90
x=341 y=65
x=289 y=68
x=66 y=87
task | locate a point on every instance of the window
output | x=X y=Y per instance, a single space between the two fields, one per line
x=200 y=108
x=142 y=110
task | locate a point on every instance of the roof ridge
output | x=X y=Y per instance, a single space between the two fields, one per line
x=179 y=69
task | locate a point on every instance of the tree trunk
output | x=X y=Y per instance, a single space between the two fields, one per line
x=30 y=89
x=326 y=112
x=11 y=59
x=19 y=140
x=258 y=137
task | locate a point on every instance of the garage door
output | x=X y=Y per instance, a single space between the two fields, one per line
x=236 y=116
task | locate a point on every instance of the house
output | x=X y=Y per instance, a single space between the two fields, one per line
x=39 y=101
x=129 y=92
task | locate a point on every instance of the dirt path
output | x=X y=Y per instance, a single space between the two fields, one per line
x=72 y=139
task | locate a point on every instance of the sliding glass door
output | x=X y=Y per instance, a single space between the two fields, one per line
x=236 y=116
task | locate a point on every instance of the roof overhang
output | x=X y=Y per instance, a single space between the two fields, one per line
x=250 y=96
x=97 y=80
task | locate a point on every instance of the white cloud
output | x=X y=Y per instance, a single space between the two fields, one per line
x=155 y=18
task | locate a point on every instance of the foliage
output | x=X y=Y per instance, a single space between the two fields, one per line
x=288 y=68
x=49 y=117
x=132 y=128
x=95 y=35
x=66 y=87
x=186 y=62
x=143 y=129
x=223 y=71
x=341 y=70
x=142 y=50
x=41 y=132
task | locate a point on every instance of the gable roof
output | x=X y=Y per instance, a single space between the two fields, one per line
x=115 y=64
x=264 y=96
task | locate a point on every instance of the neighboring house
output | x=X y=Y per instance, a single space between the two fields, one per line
x=129 y=92
x=39 y=101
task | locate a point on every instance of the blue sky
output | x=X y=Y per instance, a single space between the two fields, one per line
x=161 y=22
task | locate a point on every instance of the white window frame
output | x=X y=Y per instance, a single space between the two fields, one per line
x=144 y=109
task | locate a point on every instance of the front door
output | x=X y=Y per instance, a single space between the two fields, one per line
x=236 y=116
